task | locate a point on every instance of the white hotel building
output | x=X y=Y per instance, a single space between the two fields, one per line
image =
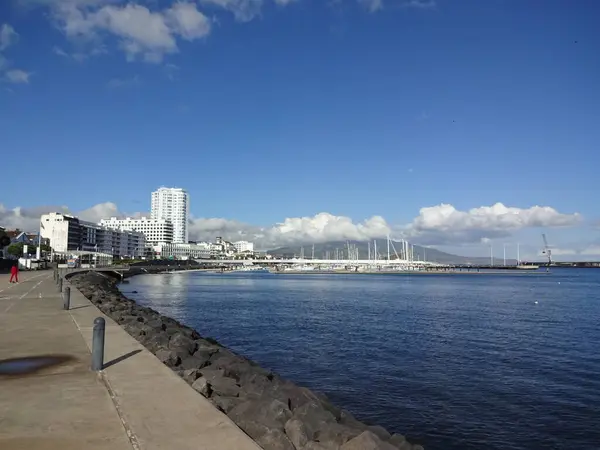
x=244 y=246
x=156 y=231
x=172 y=204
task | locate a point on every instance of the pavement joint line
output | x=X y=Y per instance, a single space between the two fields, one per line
x=102 y=375
x=130 y=434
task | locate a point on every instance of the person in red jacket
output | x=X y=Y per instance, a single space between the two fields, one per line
x=14 y=274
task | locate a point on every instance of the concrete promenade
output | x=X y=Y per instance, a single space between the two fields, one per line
x=136 y=402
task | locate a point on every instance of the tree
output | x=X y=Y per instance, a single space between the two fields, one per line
x=15 y=249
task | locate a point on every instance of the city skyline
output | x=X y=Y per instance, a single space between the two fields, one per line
x=505 y=227
x=445 y=122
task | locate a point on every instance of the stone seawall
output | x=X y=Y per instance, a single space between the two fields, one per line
x=276 y=413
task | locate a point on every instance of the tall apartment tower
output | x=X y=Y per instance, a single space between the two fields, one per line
x=172 y=204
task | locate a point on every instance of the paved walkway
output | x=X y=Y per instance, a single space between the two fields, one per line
x=135 y=403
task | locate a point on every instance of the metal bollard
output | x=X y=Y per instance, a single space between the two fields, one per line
x=98 y=344
x=60 y=282
x=67 y=298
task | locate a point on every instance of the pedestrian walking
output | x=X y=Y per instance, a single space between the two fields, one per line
x=14 y=274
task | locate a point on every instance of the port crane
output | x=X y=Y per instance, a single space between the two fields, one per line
x=547 y=251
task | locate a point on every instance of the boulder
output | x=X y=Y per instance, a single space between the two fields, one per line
x=203 y=344
x=180 y=341
x=156 y=342
x=275 y=439
x=367 y=441
x=267 y=411
x=380 y=432
x=203 y=386
x=314 y=417
x=192 y=362
x=320 y=446
x=202 y=355
x=226 y=387
x=253 y=428
x=168 y=357
x=225 y=404
x=397 y=440
x=347 y=418
x=210 y=373
x=336 y=434
x=156 y=324
x=296 y=432
x=190 y=375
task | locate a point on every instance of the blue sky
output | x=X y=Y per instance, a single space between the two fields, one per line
x=266 y=111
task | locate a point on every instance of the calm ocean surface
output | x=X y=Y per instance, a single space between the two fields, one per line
x=451 y=361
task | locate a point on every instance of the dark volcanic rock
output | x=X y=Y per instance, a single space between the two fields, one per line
x=203 y=386
x=276 y=413
x=367 y=441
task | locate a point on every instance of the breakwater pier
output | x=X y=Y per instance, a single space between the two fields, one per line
x=162 y=385
x=135 y=402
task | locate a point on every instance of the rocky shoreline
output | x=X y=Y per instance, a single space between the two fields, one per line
x=274 y=412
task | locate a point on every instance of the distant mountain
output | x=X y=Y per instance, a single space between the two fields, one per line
x=329 y=249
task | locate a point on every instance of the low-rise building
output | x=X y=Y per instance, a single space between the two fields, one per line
x=201 y=250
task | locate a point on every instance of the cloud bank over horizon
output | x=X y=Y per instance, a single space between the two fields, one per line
x=440 y=225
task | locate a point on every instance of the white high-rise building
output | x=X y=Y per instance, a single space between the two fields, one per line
x=172 y=204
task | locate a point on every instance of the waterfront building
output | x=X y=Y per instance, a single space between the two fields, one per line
x=172 y=204
x=67 y=233
x=155 y=231
x=244 y=247
x=63 y=231
x=200 y=250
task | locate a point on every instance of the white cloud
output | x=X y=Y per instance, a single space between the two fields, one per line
x=141 y=33
x=17 y=76
x=423 y=4
x=187 y=21
x=376 y=5
x=123 y=82
x=444 y=224
x=372 y=5
x=8 y=36
x=243 y=10
x=592 y=250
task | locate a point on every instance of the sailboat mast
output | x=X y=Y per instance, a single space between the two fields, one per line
x=388 y=248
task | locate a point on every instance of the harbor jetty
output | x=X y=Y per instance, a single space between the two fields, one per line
x=274 y=412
